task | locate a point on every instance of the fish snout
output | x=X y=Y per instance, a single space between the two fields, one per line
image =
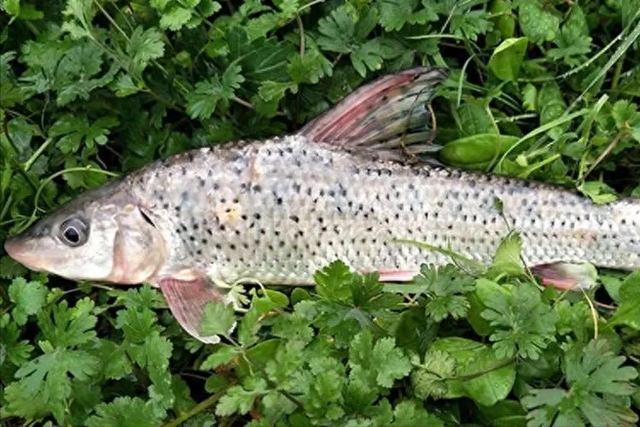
x=21 y=251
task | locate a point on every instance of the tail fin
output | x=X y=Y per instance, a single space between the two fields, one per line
x=383 y=115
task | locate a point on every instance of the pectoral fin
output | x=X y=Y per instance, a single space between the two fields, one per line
x=567 y=276
x=187 y=299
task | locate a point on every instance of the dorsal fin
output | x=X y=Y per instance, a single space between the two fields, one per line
x=385 y=114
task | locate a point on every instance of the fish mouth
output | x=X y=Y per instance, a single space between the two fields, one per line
x=21 y=252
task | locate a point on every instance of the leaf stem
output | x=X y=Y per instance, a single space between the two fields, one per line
x=484 y=371
x=39 y=151
x=289 y=396
x=243 y=102
x=301 y=29
x=110 y=19
x=605 y=153
x=199 y=407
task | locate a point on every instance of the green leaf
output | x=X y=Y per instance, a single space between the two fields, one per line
x=309 y=68
x=474 y=120
x=217 y=319
x=628 y=312
x=337 y=31
x=368 y=56
x=221 y=356
x=136 y=323
x=202 y=102
x=124 y=86
x=12 y=7
x=123 y=411
x=383 y=362
x=507 y=259
x=470 y=24
x=627 y=116
x=46 y=378
x=175 y=18
x=144 y=46
x=430 y=377
x=275 y=91
x=239 y=399
x=599 y=192
x=116 y=363
x=395 y=14
x=411 y=413
x=524 y=324
x=333 y=281
x=592 y=373
x=537 y=23
x=391 y=363
x=491 y=380
x=29 y=298
x=445 y=287
x=11 y=349
x=476 y=152
x=507 y=58
x=64 y=327
x=76 y=130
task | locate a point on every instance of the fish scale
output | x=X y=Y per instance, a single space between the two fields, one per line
x=349 y=185
x=279 y=210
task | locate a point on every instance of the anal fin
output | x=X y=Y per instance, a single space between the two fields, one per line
x=187 y=299
x=567 y=276
x=397 y=275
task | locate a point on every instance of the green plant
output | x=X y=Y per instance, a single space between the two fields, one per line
x=90 y=89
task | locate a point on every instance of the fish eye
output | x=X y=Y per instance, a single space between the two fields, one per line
x=74 y=232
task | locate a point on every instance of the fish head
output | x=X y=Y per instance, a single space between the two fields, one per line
x=102 y=235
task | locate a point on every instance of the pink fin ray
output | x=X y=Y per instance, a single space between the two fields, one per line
x=186 y=300
x=383 y=115
x=567 y=276
x=397 y=275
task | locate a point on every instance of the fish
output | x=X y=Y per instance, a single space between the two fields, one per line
x=347 y=186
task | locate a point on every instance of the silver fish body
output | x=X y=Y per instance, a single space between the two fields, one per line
x=277 y=211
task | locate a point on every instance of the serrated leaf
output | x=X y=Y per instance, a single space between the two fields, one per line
x=592 y=373
x=239 y=399
x=143 y=47
x=411 y=413
x=202 y=102
x=493 y=381
x=445 y=287
x=175 y=18
x=628 y=312
x=123 y=411
x=309 y=68
x=221 y=356
x=524 y=324
x=395 y=14
x=64 y=327
x=217 y=319
x=537 y=23
x=29 y=298
x=429 y=378
x=599 y=192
